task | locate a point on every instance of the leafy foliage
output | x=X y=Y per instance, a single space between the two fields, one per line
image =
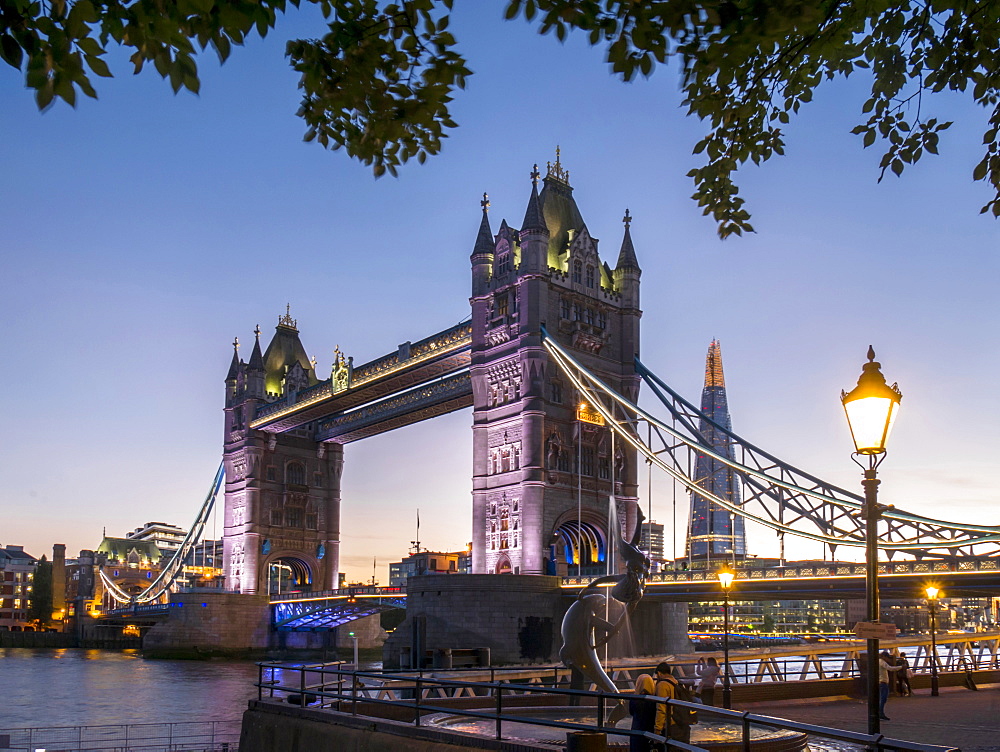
x=379 y=82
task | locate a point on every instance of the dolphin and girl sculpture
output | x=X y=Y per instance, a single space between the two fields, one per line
x=581 y=624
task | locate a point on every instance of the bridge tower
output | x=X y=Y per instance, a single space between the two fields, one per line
x=282 y=510
x=542 y=477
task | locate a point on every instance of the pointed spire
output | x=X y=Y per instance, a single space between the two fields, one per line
x=256 y=358
x=556 y=171
x=533 y=219
x=234 y=367
x=626 y=257
x=713 y=366
x=484 y=241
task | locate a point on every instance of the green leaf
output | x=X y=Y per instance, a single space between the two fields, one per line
x=98 y=66
x=11 y=51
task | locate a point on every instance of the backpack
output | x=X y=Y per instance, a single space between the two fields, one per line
x=681 y=716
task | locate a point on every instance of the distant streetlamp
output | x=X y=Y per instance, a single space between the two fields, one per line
x=726 y=577
x=932 y=599
x=871 y=408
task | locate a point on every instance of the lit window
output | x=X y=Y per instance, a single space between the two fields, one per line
x=503 y=307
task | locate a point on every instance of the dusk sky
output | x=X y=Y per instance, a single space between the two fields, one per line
x=142 y=232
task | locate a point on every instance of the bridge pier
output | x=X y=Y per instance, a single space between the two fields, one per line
x=205 y=624
x=518 y=618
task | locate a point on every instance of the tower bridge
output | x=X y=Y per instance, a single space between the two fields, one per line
x=286 y=429
x=554 y=482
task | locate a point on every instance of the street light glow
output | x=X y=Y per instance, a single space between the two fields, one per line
x=871 y=408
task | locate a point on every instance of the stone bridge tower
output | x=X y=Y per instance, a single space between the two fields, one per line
x=542 y=478
x=282 y=518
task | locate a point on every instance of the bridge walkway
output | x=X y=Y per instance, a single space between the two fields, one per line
x=958 y=717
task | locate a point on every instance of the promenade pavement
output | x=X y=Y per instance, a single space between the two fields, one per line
x=958 y=717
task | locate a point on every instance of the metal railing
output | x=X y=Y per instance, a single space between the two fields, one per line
x=331 y=687
x=182 y=736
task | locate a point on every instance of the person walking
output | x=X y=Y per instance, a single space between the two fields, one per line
x=643 y=712
x=884 y=668
x=707 y=672
x=666 y=687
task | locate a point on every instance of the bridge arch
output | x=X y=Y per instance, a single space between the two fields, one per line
x=580 y=545
x=288 y=571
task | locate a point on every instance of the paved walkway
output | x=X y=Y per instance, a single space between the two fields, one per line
x=958 y=717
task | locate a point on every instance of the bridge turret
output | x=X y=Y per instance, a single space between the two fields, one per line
x=482 y=253
x=233 y=376
x=626 y=282
x=255 y=370
x=534 y=235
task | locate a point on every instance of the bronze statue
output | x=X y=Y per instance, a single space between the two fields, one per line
x=581 y=622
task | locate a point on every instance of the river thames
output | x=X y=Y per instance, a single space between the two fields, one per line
x=46 y=688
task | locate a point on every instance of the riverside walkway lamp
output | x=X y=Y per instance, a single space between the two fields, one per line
x=932 y=599
x=871 y=409
x=726 y=577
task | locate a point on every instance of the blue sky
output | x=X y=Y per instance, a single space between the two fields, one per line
x=142 y=232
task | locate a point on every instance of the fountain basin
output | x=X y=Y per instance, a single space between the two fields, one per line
x=713 y=735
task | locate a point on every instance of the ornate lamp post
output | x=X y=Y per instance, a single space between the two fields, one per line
x=932 y=599
x=871 y=408
x=726 y=577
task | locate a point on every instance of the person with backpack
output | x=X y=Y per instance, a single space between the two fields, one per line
x=672 y=721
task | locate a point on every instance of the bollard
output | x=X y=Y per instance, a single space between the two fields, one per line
x=586 y=741
x=483 y=656
x=443 y=658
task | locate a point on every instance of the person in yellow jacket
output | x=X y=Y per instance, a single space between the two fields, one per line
x=666 y=686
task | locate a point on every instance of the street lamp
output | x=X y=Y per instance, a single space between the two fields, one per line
x=932 y=599
x=726 y=577
x=871 y=408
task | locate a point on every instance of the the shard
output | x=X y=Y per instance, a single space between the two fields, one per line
x=714 y=533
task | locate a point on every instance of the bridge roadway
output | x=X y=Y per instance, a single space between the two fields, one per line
x=959 y=577
x=419 y=381
x=956 y=577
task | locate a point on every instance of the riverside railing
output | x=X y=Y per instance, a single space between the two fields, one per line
x=333 y=688
x=180 y=736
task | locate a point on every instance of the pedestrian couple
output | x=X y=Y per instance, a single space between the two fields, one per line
x=671 y=721
x=887 y=665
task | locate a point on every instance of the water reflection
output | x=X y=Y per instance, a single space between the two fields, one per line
x=74 y=687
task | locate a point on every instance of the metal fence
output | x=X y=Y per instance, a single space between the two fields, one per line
x=187 y=736
x=330 y=686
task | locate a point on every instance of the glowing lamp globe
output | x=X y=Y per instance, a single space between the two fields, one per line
x=871 y=408
x=932 y=592
x=726 y=577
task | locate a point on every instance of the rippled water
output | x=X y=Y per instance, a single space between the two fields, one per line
x=45 y=688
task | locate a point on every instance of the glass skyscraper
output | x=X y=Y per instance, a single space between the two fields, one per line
x=714 y=533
